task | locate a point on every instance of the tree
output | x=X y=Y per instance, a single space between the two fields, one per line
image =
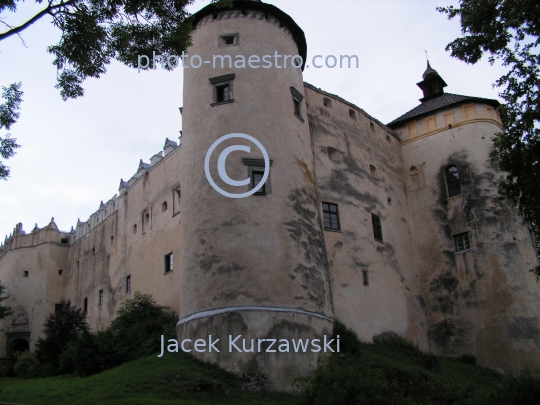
x=509 y=32
x=94 y=32
x=9 y=113
x=60 y=328
x=4 y=311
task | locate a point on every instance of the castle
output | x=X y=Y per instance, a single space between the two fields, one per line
x=386 y=227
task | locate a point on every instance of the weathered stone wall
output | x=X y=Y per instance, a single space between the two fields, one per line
x=484 y=301
x=41 y=254
x=131 y=242
x=363 y=173
x=265 y=250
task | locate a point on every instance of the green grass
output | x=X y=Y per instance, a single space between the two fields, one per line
x=172 y=379
x=180 y=379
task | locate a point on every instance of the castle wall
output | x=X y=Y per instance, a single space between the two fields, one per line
x=41 y=254
x=483 y=301
x=131 y=242
x=366 y=177
x=264 y=253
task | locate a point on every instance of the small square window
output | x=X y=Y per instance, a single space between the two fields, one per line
x=85 y=305
x=100 y=298
x=327 y=102
x=229 y=39
x=60 y=272
x=223 y=93
x=25 y=273
x=128 y=284
x=168 y=263
x=352 y=114
x=64 y=241
x=256 y=178
x=331 y=217
x=377 y=227
x=462 y=242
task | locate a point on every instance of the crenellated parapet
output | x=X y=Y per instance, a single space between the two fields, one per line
x=20 y=239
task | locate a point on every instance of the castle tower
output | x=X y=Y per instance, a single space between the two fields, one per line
x=253 y=266
x=472 y=251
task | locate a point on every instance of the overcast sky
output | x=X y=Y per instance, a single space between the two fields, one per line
x=74 y=153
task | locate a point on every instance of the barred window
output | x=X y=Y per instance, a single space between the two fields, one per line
x=462 y=243
x=377 y=227
x=331 y=217
x=452 y=181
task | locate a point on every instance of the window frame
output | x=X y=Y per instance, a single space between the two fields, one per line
x=222 y=40
x=377 y=228
x=262 y=190
x=220 y=82
x=329 y=212
x=297 y=99
x=168 y=261
x=453 y=182
x=128 y=284
x=457 y=242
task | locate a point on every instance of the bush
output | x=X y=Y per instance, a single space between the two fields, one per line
x=135 y=333
x=468 y=359
x=27 y=365
x=517 y=389
x=61 y=328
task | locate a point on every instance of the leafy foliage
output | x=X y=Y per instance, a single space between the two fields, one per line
x=60 y=329
x=509 y=32
x=391 y=371
x=517 y=389
x=9 y=113
x=134 y=333
x=27 y=365
x=94 y=32
x=4 y=311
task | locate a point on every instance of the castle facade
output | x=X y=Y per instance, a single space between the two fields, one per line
x=386 y=227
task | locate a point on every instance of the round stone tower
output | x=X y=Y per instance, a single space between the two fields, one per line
x=253 y=266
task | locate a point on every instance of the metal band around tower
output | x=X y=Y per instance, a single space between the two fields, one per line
x=214 y=312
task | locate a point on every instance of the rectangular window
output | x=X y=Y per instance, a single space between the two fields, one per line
x=222 y=89
x=25 y=273
x=223 y=93
x=57 y=308
x=377 y=228
x=462 y=243
x=331 y=217
x=100 y=300
x=128 y=284
x=297 y=98
x=85 y=305
x=365 y=277
x=168 y=263
x=256 y=178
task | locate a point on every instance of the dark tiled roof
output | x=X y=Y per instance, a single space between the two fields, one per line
x=444 y=100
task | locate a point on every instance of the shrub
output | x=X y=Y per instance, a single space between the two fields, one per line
x=517 y=389
x=27 y=365
x=468 y=359
x=135 y=333
x=60 y=328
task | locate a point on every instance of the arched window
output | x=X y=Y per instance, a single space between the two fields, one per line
x=452 y=181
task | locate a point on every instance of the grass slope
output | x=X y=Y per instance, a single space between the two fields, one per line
x=172 y=379
x=399 y=369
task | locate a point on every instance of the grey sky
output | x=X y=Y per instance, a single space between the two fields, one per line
x=74 y=153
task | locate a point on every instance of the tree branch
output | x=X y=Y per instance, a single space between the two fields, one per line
x=31 y=21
